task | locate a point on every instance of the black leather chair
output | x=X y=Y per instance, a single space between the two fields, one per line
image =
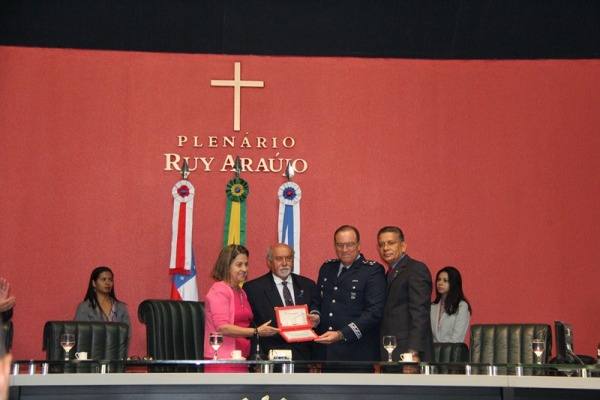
x=7 y=335
x=174 y=331
x=451 y=353
x=101 y=340
x=508 y=344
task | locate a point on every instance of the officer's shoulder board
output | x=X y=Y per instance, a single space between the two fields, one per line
x=369 y=262
x=332 y=261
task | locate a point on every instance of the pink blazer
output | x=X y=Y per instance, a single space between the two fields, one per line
x=220 y=310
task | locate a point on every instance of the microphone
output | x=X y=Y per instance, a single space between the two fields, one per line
x=256 y=356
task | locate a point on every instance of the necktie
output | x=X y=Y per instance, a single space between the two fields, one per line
x=390 y=274
x=287 y=295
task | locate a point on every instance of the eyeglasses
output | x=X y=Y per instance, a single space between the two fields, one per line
x=281 y=258
x=348 y=245
x=389 y=243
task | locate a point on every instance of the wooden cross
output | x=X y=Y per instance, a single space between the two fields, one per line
x=237 y=83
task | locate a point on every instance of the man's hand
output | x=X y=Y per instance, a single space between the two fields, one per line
x=314 y=319
x=330 y=337
x=4 y=289
x=6 y=302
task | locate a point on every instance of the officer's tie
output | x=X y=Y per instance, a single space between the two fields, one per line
x=342 y=270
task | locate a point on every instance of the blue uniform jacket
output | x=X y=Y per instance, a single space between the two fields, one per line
x=353 y=304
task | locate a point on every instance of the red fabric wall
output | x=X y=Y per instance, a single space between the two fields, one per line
x=490 y=166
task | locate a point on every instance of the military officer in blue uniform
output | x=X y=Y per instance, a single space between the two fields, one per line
x=350 y=305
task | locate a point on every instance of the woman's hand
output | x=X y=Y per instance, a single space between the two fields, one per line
x=267 y=330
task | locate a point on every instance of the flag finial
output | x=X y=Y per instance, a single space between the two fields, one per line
x=289 y=172
x=237 y=167
x=185 y=170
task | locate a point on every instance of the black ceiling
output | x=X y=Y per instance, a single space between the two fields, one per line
x=435 y=29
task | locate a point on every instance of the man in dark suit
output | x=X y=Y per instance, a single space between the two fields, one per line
x=351 y=302
x=267 y=292
x=408 y=301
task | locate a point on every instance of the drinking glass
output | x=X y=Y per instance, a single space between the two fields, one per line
x=216 y=340
x=67 y=341
x=538 y=346
x=389 y=343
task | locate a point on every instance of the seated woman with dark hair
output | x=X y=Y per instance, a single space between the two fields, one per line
x=450 y=311
x=100 y=302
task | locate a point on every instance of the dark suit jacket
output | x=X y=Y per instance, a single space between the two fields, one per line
x=407 y=308
x=264 y=297
x=352 y=304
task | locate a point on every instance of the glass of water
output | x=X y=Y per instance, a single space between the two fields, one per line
x=389 y=343
x=538 y=346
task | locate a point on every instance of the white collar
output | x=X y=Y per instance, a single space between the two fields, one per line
x=278 y=280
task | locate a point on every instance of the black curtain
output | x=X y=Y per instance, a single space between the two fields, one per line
x=433 y=29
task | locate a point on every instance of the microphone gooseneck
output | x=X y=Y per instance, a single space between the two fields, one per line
x=256 y=355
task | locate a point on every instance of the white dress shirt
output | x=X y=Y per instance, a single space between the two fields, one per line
x=279 y=286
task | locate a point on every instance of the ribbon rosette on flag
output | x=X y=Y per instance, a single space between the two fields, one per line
x=235 y=213
x=289 y=218
x=182 y=265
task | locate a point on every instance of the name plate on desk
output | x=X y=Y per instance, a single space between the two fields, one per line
x=293 y=323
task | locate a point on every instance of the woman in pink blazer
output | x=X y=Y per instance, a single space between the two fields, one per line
x=228 y=311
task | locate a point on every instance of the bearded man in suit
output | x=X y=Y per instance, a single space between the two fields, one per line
x=267 y=292
x=408 y=300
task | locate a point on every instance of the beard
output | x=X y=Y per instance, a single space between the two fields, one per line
x=284 y=272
